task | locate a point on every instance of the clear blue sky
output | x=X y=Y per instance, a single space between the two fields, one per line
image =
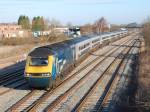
x=77 y=11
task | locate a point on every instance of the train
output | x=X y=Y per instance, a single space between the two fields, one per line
x=47 y=65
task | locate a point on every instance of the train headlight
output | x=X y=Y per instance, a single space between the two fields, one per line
x=26 y=74
x=45 y=74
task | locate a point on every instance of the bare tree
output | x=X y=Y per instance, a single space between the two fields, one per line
x=101 y=25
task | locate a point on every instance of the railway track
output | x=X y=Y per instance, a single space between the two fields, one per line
x=12 y=87
x=111 y=98
x=11 y=76
x=8 y=73
x=101 y=92
x=44 y=95
x=11 y=81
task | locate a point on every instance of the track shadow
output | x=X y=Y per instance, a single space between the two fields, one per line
x=17 y=70
x=135 y=46
x=11 y=68
x=119 y=56
x=125 y=45
x=125 y=91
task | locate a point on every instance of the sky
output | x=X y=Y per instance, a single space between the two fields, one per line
x=77 y=11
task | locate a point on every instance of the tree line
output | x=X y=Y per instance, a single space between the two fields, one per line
x=38 y=23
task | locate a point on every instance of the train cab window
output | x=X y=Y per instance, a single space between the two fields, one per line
x=38 y=62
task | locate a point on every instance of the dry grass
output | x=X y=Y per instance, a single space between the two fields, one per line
x=15 y=50
x=145 y=68
x=18 y=41
x=143 y=92
x=24 y=45
x=145 y=54
x=30 y=40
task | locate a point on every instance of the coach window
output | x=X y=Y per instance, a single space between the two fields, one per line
x=81 y=47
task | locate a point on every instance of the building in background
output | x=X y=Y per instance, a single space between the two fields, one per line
x=56 y=31
x=74 y=32
x=134 y=26
x=71 y=32
x=12 y=30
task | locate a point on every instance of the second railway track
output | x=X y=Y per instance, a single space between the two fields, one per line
x=12 y=81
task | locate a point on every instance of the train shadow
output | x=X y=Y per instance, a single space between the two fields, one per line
x=135 y=46
x=16 y=80
x=11 y=68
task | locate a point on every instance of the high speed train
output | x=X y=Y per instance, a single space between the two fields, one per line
x=46 y=65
